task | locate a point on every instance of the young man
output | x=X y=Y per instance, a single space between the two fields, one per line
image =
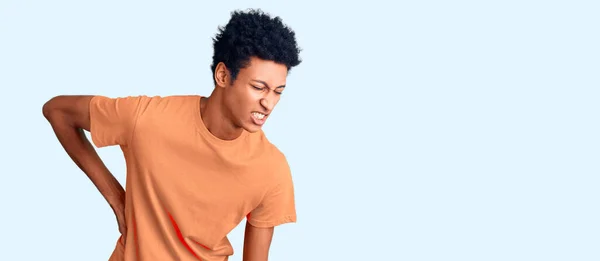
x=196 y=166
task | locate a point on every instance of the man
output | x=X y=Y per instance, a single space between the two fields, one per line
x=196 y=166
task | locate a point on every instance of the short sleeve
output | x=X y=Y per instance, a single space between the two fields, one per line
x=278 y=205
x=112 y=120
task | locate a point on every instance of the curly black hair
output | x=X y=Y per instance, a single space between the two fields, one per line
x=254 y=34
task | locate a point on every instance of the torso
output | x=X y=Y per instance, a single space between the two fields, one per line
x=186 y=190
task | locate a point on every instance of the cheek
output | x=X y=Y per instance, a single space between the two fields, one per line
x=244 y=100
x=251 y=98
x=253 y=95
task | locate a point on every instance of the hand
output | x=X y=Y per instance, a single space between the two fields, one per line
x=120 y=215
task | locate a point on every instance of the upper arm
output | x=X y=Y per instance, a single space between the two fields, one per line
x=278 y=205
x=257 y=242
x=276 y=208
x=72 y=109
x=110 y=121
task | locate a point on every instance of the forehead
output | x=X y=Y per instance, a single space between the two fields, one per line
x=264 y=70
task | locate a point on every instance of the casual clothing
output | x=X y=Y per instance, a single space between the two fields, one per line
x=187 y=189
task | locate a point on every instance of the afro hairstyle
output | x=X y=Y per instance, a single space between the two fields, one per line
x=254 y=34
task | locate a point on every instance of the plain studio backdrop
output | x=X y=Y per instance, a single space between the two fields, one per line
x=420 y=130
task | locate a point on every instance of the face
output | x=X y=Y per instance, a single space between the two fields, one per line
x=252 y=97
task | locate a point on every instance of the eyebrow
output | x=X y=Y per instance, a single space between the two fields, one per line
x=262 y=82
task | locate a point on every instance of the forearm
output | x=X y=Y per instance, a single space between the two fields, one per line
x=257 y=242
x=81 y=151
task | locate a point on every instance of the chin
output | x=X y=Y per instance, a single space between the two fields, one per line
x=252 y=128
x=252 y=125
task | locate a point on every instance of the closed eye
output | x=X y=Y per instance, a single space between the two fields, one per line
x=263 y=88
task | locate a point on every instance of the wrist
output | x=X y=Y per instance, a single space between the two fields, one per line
x=116 y=201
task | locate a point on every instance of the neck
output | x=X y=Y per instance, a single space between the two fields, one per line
x=214 y=116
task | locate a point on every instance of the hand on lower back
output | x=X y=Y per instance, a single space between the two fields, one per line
x=120 y=215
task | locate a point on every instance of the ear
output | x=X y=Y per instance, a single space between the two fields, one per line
x=222 y=75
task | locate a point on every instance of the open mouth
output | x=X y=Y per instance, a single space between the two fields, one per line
x=258 y=115
x=259 y=118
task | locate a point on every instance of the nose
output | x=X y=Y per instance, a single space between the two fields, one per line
x=268 y=105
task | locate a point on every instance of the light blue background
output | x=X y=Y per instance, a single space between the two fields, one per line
x=422 y=130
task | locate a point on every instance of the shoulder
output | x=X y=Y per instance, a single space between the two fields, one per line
x=144 y=101
x=270 y=151
x=277 y=161
x=160 y=105
x=172 y=101
x=278 y=157
x=149 y=110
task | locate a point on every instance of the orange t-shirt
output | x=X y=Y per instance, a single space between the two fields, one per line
x=187 y=189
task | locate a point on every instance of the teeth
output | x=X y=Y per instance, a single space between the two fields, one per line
x=259 y=116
